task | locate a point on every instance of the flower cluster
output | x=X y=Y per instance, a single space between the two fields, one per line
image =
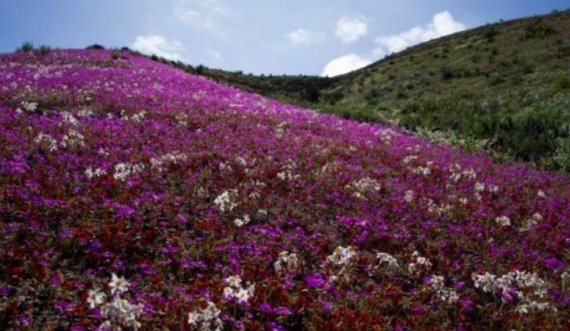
x=235 y=290
x=444 y=293
x=226 y=201
x=239 y=222
x=342 y=256
x=388 y=262
x=516 y=286
x=207 y=319
x=125 y=170
x=170 y=158
x=285 y=261
x=117 y=311
x=503 y=221
x=91 y=172
x=418 y=264
x=363 y=186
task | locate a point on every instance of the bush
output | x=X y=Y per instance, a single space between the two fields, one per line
x=491 y=34
x=539 y=29
x=95 y=46
x=561 y=81
x=44 y=49
x=25 y=47
x=448 y=73
x=561 y=158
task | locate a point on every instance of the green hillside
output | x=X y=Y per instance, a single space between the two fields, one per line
x=503 y=86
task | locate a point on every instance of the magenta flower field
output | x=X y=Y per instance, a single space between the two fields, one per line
x=136 y=196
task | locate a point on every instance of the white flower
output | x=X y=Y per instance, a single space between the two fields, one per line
x=529 y=223
x=409 y=159
x=565 y=277
x=47 y=140
x=29 y=106
x=242 y=295
x=72 y=139
x=342 y=256
x=118 y=312
x=479 y=187
x=229 y=292
x=235 y=290
x=233 y=281
x=170 y=158
x=95 y=298
x=69 y=118
x=524 y=286
x=262 y=212
x=285 y=261
x=206 y=319
x=241 y=222
x=388 y=261
x=287 y=171
x=418 y=262
x=118 y=284
x=503 y=221
x=424 y=171
x=409 y=196
x=541 y=194
x=124 y=170
x=94 y=173
x=226 y=201
x=444 y=293
x=363 y=186
x=484 y=281
x=225 y=167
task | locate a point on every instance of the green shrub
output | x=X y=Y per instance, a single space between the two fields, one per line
x=95 y=46
x=538 y=29
x=25 y=47
x=560 y=160
x=44 y=49
x=561 y=81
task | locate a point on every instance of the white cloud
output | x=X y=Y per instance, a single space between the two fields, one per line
x=201 y=14
x=195 y=18
x=351 y=28
x=302 y=36
x=442 y=24
x=159 y=46
x=344 y=64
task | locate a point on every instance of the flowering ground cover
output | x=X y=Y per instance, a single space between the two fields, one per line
x=137 y=196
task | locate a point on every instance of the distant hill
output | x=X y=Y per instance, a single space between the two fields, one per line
x=504 y=86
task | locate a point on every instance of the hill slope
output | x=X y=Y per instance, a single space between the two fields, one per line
x=507 y=83
x=225 y=209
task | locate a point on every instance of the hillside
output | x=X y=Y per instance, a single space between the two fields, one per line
x=505 y=85
x=137 y=196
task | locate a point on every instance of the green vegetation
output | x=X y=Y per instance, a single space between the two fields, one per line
x=29 y=47
x=503 y=86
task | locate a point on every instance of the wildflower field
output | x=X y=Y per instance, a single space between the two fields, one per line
x=137 y=196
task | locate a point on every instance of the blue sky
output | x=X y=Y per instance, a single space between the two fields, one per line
x=259 y=36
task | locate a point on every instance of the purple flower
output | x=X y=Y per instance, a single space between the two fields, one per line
x=282 y=311
x=275 y=327
x=314 y=280
x=265 y=307
x=55 y=280
x=467 y=303
x=553 y=263
x=6 y=291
